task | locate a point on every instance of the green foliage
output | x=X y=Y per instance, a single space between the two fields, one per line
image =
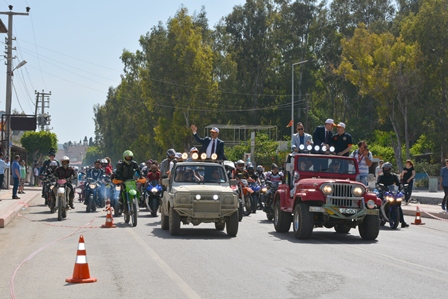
x=422 y=145
x=265 y=150
x=93 y=153
x=38 y=144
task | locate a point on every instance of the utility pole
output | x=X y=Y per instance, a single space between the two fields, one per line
x=43 y=119
x=7 y=144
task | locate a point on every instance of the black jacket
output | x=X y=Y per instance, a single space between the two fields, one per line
x=126 y=171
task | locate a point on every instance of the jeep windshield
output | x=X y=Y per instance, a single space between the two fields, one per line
x=200 y=174
x=329 y=164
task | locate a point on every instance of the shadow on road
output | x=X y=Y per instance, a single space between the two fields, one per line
x=192 y=234
x=323 y=237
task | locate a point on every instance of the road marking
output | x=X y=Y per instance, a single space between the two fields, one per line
x=188 y=291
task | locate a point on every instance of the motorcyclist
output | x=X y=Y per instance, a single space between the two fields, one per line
x=66 y=172
x=239 y=171
x=275 y=176
x=96 y=173
x=260 y=172
x=165 y=165
x=388 y=179
x=154 y=174
x=126 y=169
x=107 y=168
x=45 y=165
x=49 y=175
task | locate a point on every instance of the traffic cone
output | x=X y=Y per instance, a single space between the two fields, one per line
x=81 y=273
x=109 y=219
x=418 y=220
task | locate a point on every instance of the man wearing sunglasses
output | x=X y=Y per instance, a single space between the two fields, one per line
x=300 y=138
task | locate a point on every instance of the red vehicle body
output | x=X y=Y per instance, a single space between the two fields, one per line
x=322 y=191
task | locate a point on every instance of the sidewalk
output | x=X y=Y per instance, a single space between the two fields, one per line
x=9 y=208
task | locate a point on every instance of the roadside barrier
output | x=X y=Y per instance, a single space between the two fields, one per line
x=433 y=216
x=81 y=273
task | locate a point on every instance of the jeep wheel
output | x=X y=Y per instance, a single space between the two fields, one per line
x=369 y=228
x=303 y=221
x=164 y=220
x=232 y=225
x=219 y=225
x=282 y=220
x=240 y=212
x=174 y=222
x=342 y=228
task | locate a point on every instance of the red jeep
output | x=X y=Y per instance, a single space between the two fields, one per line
x=322 y=191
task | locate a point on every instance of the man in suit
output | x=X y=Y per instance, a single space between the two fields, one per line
x=322 y=135
x=210 y=145
x=300 y=138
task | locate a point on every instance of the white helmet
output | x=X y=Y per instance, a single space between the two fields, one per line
x=65 y=159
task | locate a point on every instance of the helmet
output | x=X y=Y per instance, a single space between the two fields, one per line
x=170 y=152
x=178 y=155
x=250 y=167
x=65 y=159
x=142 y=165
x=260 y=168
x=193 y=149
x=239 y=162
x=387 y=167
x=128 y=153
x=104 y=161
x=53 y=164
x=97 y=161
x=76 y=168
x=273 y=166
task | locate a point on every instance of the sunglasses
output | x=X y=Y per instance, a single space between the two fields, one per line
x=301 y=129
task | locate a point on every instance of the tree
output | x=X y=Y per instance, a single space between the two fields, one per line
x=37 y=144
x=92 y=155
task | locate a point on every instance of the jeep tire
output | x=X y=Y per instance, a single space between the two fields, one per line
x=282 y=220
x=164 y=220
x=174 y=222
x=303 y=221
x=369 y=228
x=232 y=224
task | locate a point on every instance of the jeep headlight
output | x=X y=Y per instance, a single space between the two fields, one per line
x=358 y=191
x=301 y=147
x=324 y=148
x=370 y=204
x=227 y=200
x=316 y=148
x=203 y=156
x=332 y=149
x=214 y=156
x=309 y=147
x=327 y=189
x=215 y=197
x=198 y=197
x=195 y=156
x=185 y=156
x=182 y=200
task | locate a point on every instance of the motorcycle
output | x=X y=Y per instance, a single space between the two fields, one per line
x=152 y=197
x=50 y=182
x=269 y=199
x=130 y=199
x=63 y=191
x=256 y=188
x=262 y=198
x=390 y=209
x=93 y=196
x=245 y=198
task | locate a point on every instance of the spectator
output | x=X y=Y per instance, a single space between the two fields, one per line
x=4 y=164
x=22 y=177
x=407 y=177
x=322 y=135
x=300 y=138
x=15 y=176
x=379 y=169
x=444 y=183
x=364 y=158
x=36 y=175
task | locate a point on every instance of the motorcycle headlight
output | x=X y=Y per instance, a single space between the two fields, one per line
x=399 y=199
x=154 y=190
x=358 y=191
x=327 y=189
x=92 y=186
x=390 y=198
x=264 y=190
x=370 y=204
x=117 y=188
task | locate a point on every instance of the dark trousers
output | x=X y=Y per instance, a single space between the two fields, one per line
x=408 y=191
x=2 y=177
x=445 y=189
x=15 y=186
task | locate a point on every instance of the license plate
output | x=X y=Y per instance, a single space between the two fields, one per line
x=348 y=211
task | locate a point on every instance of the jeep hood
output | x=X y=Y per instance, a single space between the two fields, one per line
x=199 y=188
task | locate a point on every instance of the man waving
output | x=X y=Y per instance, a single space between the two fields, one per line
x=210 y=145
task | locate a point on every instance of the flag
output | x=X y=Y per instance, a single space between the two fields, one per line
x=290 y=124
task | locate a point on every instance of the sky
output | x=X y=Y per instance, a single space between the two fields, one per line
x=73 y=49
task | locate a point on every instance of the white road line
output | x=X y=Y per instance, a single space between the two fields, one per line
x=186 y=289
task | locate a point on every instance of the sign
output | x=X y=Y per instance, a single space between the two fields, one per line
x=20 y=123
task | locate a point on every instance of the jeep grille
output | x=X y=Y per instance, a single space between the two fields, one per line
x=342 y=196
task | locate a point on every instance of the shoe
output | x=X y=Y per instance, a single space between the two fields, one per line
x=73 y=207
x=443 y=207
x=15 y=197
x=404 y=224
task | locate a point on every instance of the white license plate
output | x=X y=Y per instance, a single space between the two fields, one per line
x=348 y=211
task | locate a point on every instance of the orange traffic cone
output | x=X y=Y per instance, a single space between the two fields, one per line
x=418 y=220
x=81 y=273
x=109 y=219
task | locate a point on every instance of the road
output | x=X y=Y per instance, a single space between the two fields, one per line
x=37 y=254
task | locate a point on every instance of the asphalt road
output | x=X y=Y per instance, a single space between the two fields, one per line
x=37 y=254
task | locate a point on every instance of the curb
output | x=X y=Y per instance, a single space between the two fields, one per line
x=412 y=213
x=10 y=212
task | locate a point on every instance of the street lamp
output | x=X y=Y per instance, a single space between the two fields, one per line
x=292 y=95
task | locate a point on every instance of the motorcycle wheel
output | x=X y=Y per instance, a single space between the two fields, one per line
x=154 y=203
x=394 y=218
x=51 y=205
x=60 y=208
x=269 y=216
x=247 y=205
x=254 y=203
x=126 y=215
x=134 y=211
x=89 y=203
